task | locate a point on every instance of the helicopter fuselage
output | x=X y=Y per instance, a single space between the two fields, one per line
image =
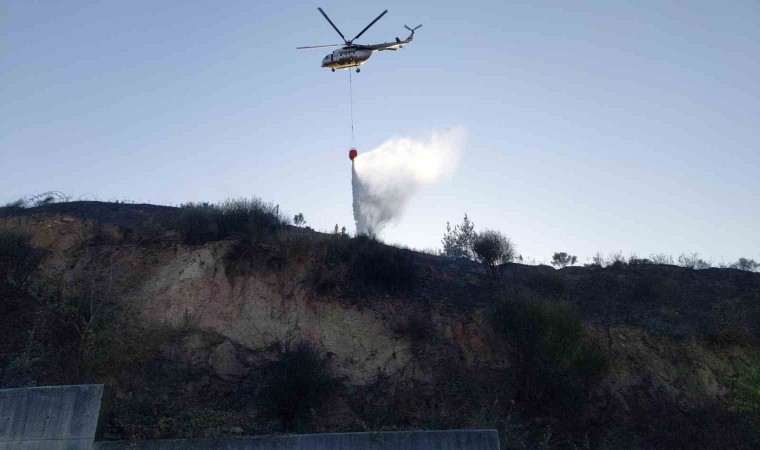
x=344 y=58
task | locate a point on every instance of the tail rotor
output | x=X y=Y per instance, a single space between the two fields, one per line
x=411 y=35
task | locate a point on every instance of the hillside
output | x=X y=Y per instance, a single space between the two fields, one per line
x=205 y=325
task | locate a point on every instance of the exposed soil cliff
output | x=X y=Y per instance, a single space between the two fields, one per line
x=671 y=337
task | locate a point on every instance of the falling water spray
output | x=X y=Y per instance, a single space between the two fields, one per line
x=384 y=179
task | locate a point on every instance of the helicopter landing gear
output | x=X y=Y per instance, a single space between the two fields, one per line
x=358 y=70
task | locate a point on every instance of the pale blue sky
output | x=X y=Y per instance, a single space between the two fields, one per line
x=595 y=125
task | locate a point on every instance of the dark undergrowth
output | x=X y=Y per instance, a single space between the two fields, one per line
x=255 y=220
x=293 y=388
x=554 y=367
x=369 y=265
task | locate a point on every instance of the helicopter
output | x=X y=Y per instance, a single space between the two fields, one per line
x=354 y=55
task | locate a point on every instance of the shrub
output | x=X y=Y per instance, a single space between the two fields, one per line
x=661 y=258
x=492 y=248
x=149 y=232
x=693 y=261
x=369 y=264
x=254 y=219
x=458 y=241
x=552 y=362
x=562 y=259
x=547 y=283
x=616 y=258
x=373 y=264
x=295 y=386
x=636 y=261
x=17 y=260
x=745 y=387
x=745 y=264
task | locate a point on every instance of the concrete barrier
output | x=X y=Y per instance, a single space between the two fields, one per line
x=389 y=440
x=51 y=417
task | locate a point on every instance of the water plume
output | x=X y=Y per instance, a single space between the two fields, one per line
x=384 y=179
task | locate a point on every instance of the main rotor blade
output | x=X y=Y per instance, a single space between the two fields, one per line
x=367 y=27
x=319 y=46
x=333 y=25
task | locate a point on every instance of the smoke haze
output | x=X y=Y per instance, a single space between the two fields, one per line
x=385 y=178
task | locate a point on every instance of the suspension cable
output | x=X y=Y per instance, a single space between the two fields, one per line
x=351 y=97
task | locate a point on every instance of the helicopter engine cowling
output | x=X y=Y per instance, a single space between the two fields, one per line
x=346 y=57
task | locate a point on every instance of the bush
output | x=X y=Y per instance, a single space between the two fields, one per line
x=616 y=259
x=693 y=261
x=746 y=264
x=369 y=264
x=373 y=264
x=661 y=258
x=149 y=232
x=562 y=259
x=17 y=260
x=745 y=387
x=636 y=261
x=254 y=219
x=547 y=283
x=492 y=248
x=553 y=365
x=295 y=386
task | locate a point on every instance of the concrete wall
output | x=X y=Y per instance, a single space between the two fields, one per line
x=391 y=440
x=51 y=417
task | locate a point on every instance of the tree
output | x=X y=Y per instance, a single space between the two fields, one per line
x=298 y=220
x=458 y=241
x=745 y=264
x=492 y=248
x=562 y=259
x=598 y=260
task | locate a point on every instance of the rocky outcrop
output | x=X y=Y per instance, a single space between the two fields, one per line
x=224 y=362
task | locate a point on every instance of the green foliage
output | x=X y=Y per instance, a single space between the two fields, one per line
x=299 y=220
x=562 y=259
x=492 y=248
x=292 y=388
x=254 y=219
x=745 y=387
x=458 y=241
x=552 y=362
